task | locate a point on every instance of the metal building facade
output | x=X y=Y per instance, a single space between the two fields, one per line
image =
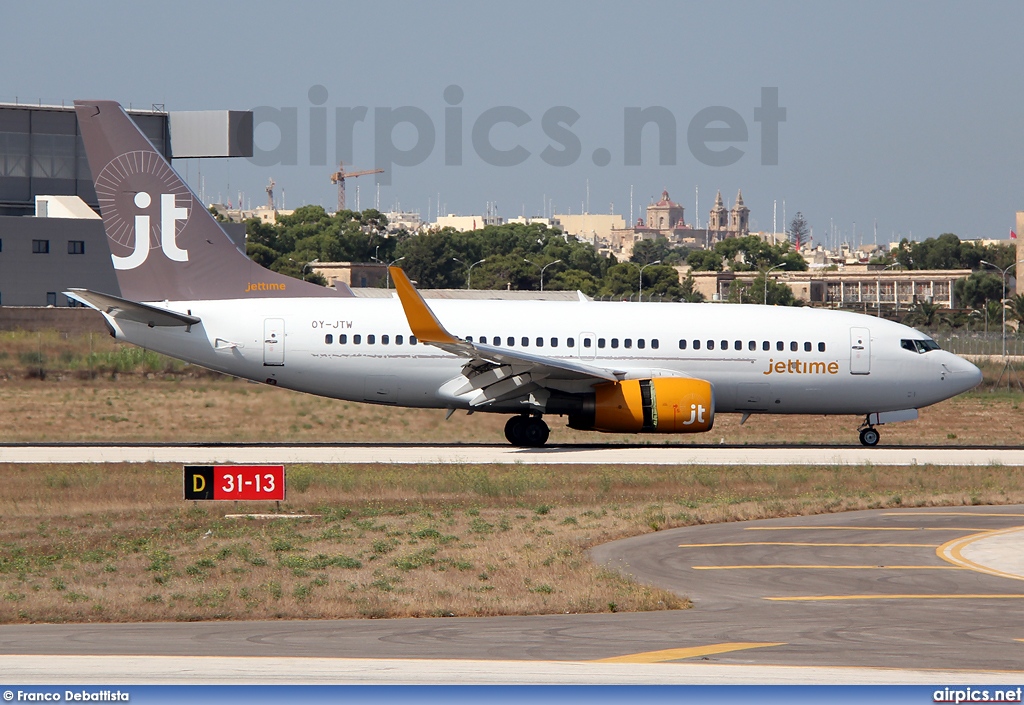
x=41 y=153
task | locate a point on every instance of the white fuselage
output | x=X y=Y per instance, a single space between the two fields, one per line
x=830 y=362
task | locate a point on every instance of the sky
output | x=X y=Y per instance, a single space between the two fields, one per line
x=902 y=119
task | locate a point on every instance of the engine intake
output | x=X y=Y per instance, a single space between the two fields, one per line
x=662 y=405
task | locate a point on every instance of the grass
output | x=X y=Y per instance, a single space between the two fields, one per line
x=115 y=543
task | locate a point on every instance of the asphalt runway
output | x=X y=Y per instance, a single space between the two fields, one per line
x=205 y=454
x=883 y=596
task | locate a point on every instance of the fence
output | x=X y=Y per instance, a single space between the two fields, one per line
x=971 y=344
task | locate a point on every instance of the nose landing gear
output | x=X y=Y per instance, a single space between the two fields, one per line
x=527 y=431
x=868 y=434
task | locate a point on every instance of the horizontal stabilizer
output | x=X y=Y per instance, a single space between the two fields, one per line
x=125 y=310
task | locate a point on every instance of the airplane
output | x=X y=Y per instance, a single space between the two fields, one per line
x=188 y=292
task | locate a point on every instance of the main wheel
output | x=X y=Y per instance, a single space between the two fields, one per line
x=514 y=430
x=534 y=432
x=869 y=437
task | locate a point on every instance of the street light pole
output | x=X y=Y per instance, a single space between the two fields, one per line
x=469 y=272
x=640 y=298
x=766 y=273
x=387 y=270
x=878 y=290
x=1002 y=297
x=541 y=269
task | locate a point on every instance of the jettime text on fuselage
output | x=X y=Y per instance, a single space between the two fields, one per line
x=799 y=367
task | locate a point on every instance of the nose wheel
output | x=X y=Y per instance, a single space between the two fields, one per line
x=869 y=436
x=527 y=431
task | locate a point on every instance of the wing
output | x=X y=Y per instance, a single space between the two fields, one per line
x=495 y=374
x=125 y=310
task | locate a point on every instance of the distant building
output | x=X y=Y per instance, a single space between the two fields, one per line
x=465 y=223
x=594 y=228
x=354 y=274
x=869 y=287
x=409 y=221
x=666 y=219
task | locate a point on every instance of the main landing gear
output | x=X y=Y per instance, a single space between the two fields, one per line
x=527 y=431
x=868 y=435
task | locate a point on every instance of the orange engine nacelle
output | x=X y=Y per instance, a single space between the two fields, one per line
x=662 y=405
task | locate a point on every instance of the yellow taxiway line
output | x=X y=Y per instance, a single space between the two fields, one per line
x=793 y=543
x=952 y=552
x=828 y=567
x=863 y=528
x=828 y=598
x=950 y=514
x=690 y=652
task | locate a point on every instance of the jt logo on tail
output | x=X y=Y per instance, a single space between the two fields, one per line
x=170 y=213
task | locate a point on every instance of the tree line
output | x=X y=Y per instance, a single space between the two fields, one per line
x=515 y=256
x=511 y=256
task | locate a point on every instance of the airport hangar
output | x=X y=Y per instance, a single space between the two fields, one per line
x=51 y=236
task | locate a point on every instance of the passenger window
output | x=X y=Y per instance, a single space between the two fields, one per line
x=357 y=339
x=469 y=339
x=696 y=345
x=780 y=346
x=793 y=346
x=752 y=345
x=711 y=345
x=615 y=342
x=495 y=340
x=385 y=339
x=807 y=347
x=540 y=342
x=725 y=345
x=765 y=345
x=525 y=341
x=821 y=347
x=510 y=341
x=371 y=339
x=654 y=343
x=570 y=343
x=627 y=343
x=554 y=342
x=738 y=345
x=600 y=342
x=412 y=340
x=328 y=338
x=342 y=339
x=682 y=345
x=398 y=340
x=586 y=342
x=640 y=343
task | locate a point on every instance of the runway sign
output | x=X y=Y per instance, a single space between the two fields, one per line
x=234 y=482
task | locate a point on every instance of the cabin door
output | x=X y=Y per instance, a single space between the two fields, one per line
x=860 y=351
x=273 y=342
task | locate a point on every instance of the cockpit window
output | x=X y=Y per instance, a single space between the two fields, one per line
x=919 y=346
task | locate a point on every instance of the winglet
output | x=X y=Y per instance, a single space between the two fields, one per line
x=422 y=321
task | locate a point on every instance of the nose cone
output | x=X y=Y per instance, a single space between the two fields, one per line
x=963 y=374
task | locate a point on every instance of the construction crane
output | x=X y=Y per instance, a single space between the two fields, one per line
x=339 y=177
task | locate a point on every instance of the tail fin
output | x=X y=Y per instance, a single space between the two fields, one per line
x=185 y=255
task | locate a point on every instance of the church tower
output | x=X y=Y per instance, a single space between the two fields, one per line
x=739 y=216
x=717 y=220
